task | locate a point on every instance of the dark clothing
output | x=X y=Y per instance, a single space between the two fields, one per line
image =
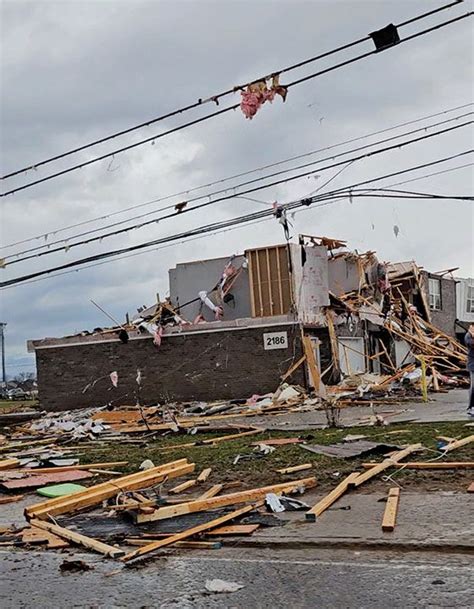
x=469 y=342
x=471 y=393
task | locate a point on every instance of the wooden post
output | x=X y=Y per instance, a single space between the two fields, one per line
x=391 y=509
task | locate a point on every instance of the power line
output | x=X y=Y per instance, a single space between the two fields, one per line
x=154 y=249
x=245 y=192
x=224 y=110
x=215 y=98
x=64 y=242
x=228 y=178
x=215 y=226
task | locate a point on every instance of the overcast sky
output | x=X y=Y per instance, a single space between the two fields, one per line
x=76 y=71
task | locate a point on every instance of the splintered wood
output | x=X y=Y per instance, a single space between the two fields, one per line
x=386 y=463
x=87 y=542
x=333 y=496
x=156 y=545
x=98 y=493
x=391 y=510
x=200 y=505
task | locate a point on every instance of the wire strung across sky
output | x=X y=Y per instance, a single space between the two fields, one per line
x=325 y=199
x=225 y=230
x=44 y=236
x=232 y=107
x=215 y=98
x=8 y=261
x=65 y=241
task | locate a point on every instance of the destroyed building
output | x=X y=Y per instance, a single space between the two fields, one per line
x=464 y=305
x=309 y=312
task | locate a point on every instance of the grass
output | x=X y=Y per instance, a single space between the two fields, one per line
x=7 y=406
x=261 y=471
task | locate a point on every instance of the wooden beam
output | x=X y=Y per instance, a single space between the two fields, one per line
x=87 y=542
x=156 y=545
x=9 y=463
x=312 y=365
x=234 y=529
x=295 y=468
x=292 y=368
x=67 y=468
x=431 y=465
x=386 y=463
x=204 y=475
x=183 y=486
x=458 y=443
x=211 y=441
x=33 y=535
x=214 y=490
x=200 y=505
x=331 y=498
x=10 y=499
x=185 y=545
x=98 y=493
x=391 y=509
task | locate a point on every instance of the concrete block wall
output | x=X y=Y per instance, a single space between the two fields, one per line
x=189 y=366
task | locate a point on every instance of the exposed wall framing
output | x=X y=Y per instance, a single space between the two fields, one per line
x=270 y=282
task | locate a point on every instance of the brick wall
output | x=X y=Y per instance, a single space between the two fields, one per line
x=195 y=366
x=445 y=318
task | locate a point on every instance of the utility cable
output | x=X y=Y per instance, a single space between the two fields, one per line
x=214 y=226
x=44 y=236
x=64 y=241
x=218 y=96
x=154 y=249
x=254 y=189
x=229 y=108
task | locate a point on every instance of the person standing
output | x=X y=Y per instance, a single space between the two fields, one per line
x=469 y=342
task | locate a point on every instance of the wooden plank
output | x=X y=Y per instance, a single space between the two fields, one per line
x=10 y=499
x=211 y=441
x=313 y=366
x=87 y=542
x=280 y=283
x=458 y=443
x=391 y=509
x=283 y=253
x=183 y=486
x=234 y=529
x=331 y=498
x=386 y=463
x=251 y=284
x=292 y=368
x=98 y=493
x=295 y=468
x=200 y=505
x=9 y=463
x=35 y=535
x=67 y=468
x=204 y=475
x=186 y=545
x=270 y=290
x=212 y=492
x=156 y=545
x=431 y=465
x=45 y=479
x=259 y=285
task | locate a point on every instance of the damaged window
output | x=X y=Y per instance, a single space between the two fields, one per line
x=435 y=294
x=470 y=299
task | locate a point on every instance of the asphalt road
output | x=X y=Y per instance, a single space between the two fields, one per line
x=336 y=579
